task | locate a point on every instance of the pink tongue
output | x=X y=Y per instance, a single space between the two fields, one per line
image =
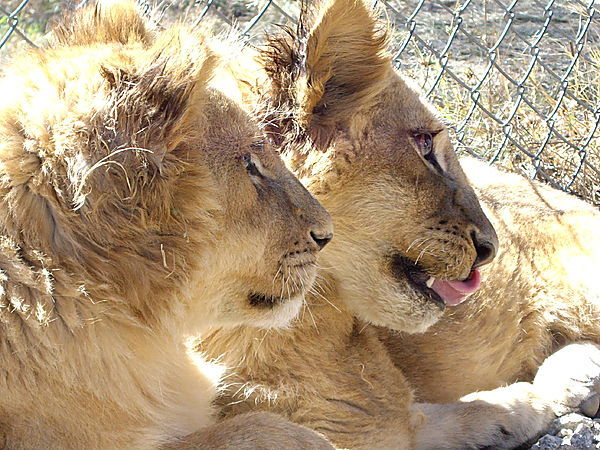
x=455 y=292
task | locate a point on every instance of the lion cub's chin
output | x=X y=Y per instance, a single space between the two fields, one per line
x=418 y=322
x=378 y=298
x=395 y=308
x=281 y=315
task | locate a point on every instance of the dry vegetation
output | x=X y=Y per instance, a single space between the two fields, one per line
x=531 y=104
x=520 y=104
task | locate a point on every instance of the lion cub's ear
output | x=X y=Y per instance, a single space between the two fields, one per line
x=159 y=90
x=332 y=65
x=103 y=22
x=155 y=80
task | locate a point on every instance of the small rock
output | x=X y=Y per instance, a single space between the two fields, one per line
x=571 y=420
x=590 y=406
x=566 y=441
x=547 y=442
x=571 y=432
x=565 y=433
x=584 y=428
x=596 y=430
x=583 y=437
x=567 y=421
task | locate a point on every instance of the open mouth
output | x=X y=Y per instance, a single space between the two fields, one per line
x=296 y=277
x=261 y=300
x=441 y=292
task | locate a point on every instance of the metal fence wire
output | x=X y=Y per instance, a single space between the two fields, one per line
x=517 y=80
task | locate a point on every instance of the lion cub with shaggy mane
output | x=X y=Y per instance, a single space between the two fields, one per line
x=140 y=205
x=411 y=239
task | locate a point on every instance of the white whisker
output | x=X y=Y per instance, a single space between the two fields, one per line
x=312 y=317
x=423 y=252
x=421 y=240
x=321 y=296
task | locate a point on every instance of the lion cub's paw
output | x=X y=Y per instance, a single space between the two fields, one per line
x=252 y=431
x=267 y=431
x=570 y=379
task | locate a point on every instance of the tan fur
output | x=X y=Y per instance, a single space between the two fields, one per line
x=129 y=222
x=348 y=136
x=540 y=293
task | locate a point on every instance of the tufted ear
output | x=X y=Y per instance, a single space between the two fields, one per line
x=155 y=91
x=103 y=22
x=333 y=64
x=88 y=133
x=151 y=77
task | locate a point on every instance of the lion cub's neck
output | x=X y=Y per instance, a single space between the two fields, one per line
x=323 y=323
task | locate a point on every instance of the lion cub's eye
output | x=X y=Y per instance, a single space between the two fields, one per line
x=253 y=166
x=424 y=142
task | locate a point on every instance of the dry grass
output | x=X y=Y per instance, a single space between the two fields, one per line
x=509 y=112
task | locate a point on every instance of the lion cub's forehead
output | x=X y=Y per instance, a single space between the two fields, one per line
x=402 y=106
x=233 y=144
x=229 y=127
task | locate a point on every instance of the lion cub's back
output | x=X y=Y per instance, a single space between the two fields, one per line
x=558 y=231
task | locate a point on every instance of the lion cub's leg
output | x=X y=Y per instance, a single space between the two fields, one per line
x=502 y=419
x=509 y=416
x=253 y=431
x=570 y=378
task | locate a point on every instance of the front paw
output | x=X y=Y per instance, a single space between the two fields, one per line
x=570 y=379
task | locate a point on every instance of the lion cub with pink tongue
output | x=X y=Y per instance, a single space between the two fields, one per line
x=410 y=240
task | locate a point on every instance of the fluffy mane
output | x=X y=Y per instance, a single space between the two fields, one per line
x=104 y=108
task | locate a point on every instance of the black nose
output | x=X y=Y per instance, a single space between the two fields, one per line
x=486 y=250
x=321 y=238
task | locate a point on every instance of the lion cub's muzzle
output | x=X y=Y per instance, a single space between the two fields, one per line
x=295 y=275
x=405 y=270
x=307 y=231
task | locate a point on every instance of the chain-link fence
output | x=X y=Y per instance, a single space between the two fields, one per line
x=518 y=80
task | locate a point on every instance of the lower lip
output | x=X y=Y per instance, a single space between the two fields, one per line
x=263 y=300
x=430 y=294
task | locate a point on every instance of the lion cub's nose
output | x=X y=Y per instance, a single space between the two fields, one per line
x=321 y=237
x=486 y=249
x=315 y=221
